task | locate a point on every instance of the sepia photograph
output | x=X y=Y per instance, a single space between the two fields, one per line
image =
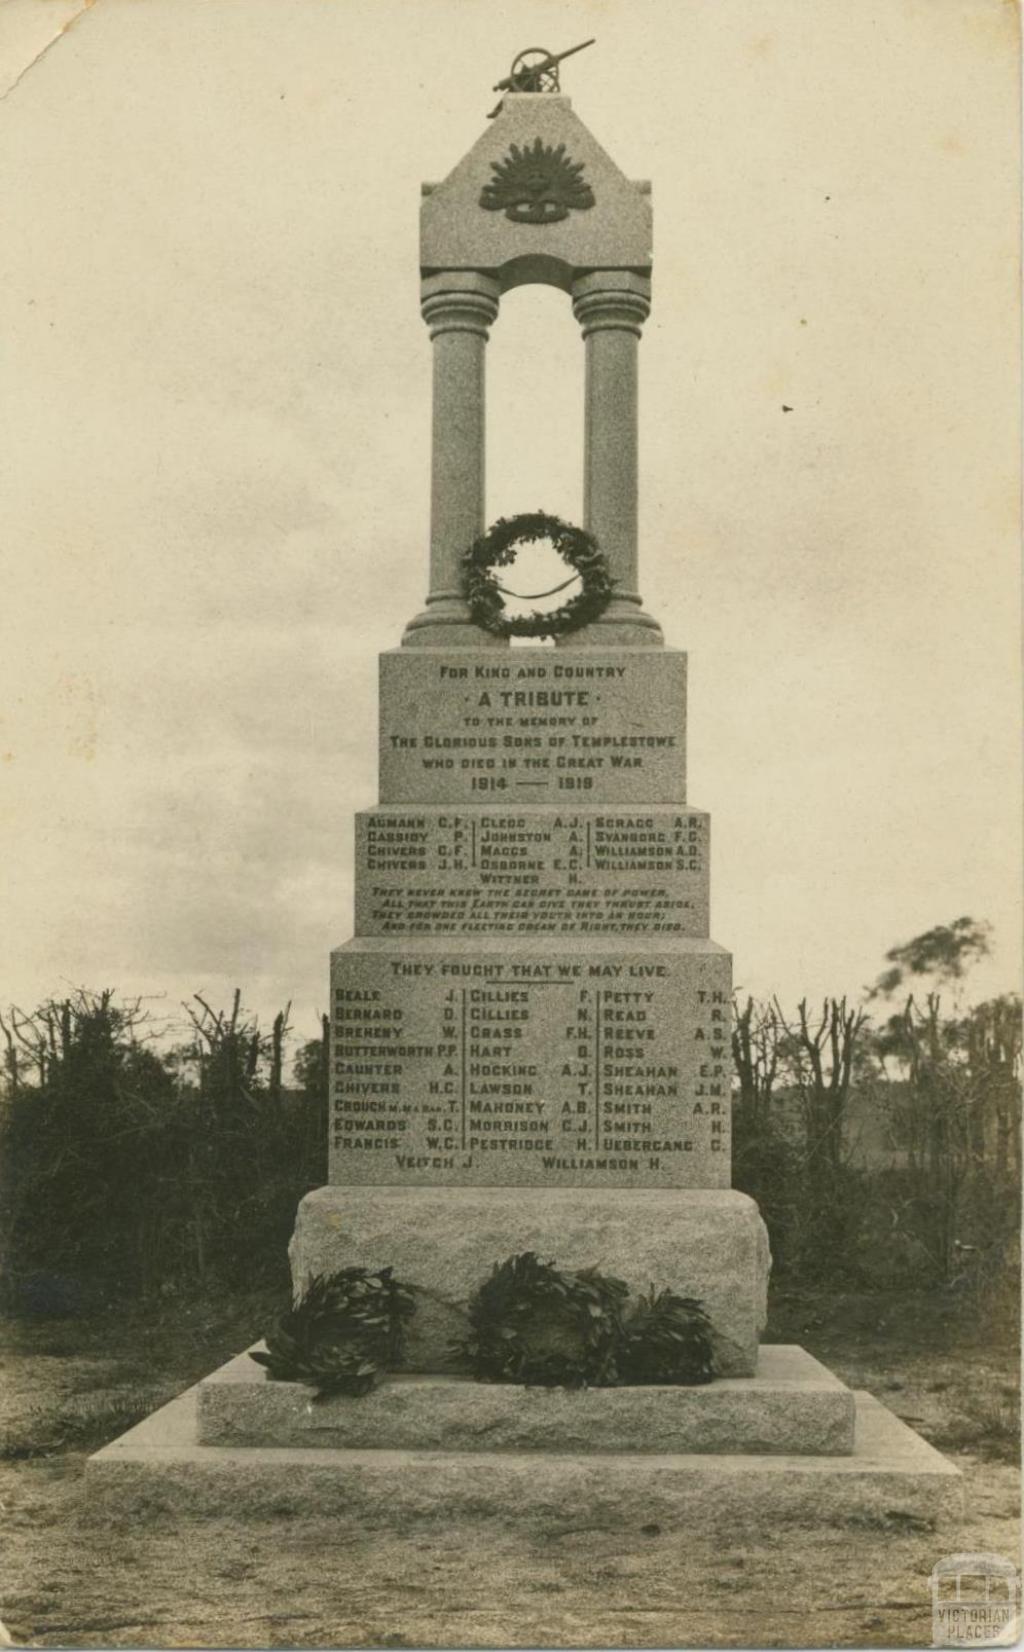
x=510 y=774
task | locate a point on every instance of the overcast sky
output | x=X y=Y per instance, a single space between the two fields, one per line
x=215 y=440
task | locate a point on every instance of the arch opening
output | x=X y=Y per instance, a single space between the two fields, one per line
x=535 y=427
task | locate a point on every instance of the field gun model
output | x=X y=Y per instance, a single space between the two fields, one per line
x=535 y=70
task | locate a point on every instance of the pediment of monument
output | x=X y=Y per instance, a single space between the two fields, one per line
x=536 y=199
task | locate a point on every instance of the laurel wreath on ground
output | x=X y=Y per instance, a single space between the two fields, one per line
x=530 y=1323
x=496 y=548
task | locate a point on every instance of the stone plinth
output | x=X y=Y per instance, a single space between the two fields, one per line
x=459 y=1062
x=538 y=725
x=444 y=1241
x=792 y=1404
x=536 y=869
x=892 y=1477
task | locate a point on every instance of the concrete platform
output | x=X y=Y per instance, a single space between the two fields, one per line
x=793 y=1404
x=160 y=1467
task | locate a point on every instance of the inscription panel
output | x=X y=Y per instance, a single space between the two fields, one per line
x=535 y=870
x=533 y=725
x=461 y=1064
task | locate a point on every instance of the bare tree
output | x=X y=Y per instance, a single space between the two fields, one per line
x=957 y=1110
x=755 y=1053
x=277 y=1039
x=820 y=1052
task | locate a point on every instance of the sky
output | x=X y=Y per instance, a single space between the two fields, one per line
x=214 y=438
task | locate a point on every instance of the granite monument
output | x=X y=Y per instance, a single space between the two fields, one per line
x=531 y=1026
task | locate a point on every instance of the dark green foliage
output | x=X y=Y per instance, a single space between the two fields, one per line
x=666 y=1339
x=346 y=1329
x=127 y=1170
x=791 y=1148
x=955 y=1116
x=312 y=1075
x=935 y=1198
x=939 y=957
x=532 y=1324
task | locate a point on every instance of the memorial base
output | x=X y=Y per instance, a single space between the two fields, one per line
x=785 y=1442
x=792 y=1404
x=707 y=1243
x=892 y=1475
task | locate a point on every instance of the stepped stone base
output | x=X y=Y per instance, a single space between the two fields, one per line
x=711 y=1244
x=793 y=1404
x=160 y=1466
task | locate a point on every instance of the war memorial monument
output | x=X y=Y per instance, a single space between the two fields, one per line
x=530 y=1046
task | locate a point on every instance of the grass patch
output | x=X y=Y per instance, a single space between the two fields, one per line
x=990 y=1429
x=889 y=1520
x=49 y=1432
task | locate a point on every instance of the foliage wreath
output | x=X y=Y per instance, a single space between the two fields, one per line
x=342 y=1333
x=529 y=1324
x=497 y=548
x=666 y=1339
x=532 y=1324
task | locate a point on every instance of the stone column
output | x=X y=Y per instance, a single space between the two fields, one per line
x=611 y=307
x=458 y=307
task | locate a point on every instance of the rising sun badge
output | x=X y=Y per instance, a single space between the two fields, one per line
x=537 y=185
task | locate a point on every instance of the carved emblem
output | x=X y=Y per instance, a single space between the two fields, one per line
x=537 y=185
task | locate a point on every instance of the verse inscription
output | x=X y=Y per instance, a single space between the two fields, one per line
x=538 y=870
x=608 y=728
x=534 y=1068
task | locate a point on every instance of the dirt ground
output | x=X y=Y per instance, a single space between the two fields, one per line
x=69 y=1581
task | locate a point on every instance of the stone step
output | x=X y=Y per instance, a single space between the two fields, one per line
x=792 y=1405
x=892 y=1478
